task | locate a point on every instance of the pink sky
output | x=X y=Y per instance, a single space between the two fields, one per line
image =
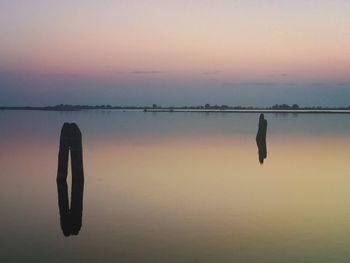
x=241 y=41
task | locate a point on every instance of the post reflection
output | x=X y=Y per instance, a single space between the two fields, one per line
x=261 y=138
x=70 y=216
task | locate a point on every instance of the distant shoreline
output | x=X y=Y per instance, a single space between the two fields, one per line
x=250 y=111
x=184 y=110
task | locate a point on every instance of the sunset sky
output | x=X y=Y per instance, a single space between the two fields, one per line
x=180 y=52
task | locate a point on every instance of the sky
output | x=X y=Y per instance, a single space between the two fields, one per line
x=133 y=52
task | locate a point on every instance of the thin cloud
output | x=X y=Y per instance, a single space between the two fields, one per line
x=64 y=75
x=248 y=84
x=211 y=72
x=146 y=72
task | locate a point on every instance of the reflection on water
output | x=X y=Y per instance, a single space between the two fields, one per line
x=70 y=218
x=70 y=142
x=180 y=187
x=261 y=138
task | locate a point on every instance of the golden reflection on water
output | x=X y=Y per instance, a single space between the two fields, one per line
x=215 y=188
x=189 y=197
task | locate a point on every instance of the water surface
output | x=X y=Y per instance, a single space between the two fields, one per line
x=179 y=187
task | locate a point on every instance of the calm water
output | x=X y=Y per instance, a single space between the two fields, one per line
x=179 y=187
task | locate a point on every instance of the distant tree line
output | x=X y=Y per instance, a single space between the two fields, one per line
x=207 y=106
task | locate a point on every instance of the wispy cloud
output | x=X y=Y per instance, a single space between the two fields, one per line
x=61 y=75
x=211 y=72
x=146 y=72
x=255 y=84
